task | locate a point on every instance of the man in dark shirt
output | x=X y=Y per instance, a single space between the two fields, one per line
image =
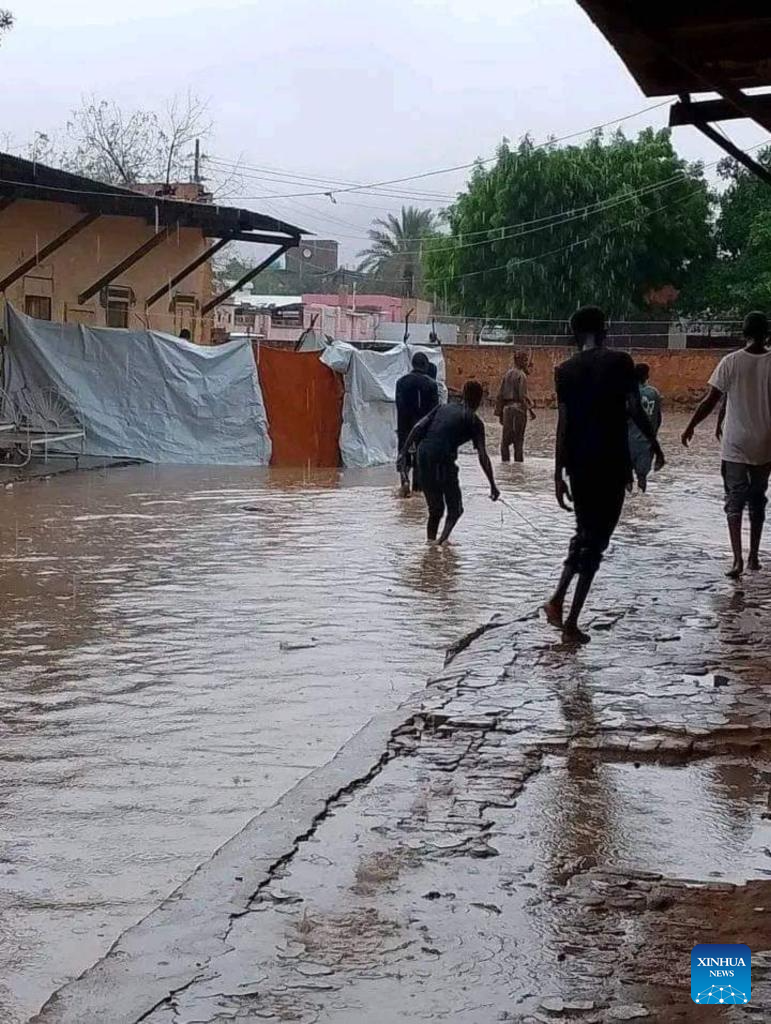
x=416 y=395
x=438 y=437
x=596 y=392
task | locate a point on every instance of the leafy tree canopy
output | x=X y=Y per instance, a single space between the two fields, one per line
x=546 y=229
x=739 y=278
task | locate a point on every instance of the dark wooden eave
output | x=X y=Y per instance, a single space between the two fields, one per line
x=23 y=179
x=681 y=46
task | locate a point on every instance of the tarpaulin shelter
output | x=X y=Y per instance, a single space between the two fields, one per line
x=142 y=394
x=303 y=399
x=679 y=47
x=368 y=433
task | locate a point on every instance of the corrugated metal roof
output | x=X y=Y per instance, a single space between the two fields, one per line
x=688 y=45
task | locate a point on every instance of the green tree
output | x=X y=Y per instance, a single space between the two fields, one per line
x=395 y=253
x=739 y=278
x=546 y=229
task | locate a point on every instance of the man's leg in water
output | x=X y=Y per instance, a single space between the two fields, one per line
x=598 y=505
x=554 y=607
x=435 y=503
x=507 y=434
x=520 y=426
x=736 y=480
x=756 y=503
x=453 y=499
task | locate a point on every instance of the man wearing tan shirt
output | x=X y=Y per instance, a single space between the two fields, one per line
x=512 y=408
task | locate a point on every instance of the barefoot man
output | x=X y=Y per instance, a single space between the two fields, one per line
x=742 y=382
x=438 y=437
x=596 y=391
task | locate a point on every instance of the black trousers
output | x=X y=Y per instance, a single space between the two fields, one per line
x=438 y=476
x=597 y=502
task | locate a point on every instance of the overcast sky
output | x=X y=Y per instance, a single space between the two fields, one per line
x=360 y=90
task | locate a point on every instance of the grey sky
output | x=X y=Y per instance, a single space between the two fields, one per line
x=342 y=89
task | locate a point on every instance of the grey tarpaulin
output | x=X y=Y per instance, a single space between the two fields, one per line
x=368 y=434
x=144 y=395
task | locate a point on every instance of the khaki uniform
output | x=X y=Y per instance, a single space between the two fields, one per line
x=511 y=408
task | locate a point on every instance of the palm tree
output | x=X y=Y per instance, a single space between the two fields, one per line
x=395 y=249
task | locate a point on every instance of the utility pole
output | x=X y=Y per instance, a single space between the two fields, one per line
x=197 y=163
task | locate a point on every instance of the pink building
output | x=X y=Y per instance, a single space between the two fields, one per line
x=393 y=308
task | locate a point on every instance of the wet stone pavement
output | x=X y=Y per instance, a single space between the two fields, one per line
x=541 y=836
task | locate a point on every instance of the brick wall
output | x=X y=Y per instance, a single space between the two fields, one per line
x=680 y=375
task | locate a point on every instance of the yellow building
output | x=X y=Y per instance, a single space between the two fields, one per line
x=74 y=249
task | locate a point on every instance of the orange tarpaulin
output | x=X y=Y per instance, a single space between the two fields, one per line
x=303 y=400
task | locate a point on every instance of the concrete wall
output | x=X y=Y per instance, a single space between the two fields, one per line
x=681 y=376
x=27 y=225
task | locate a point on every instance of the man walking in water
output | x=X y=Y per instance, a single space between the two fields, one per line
x=512 y=407
x=596 y=391
x=416 y=395
x=743 y=380
x=438 y=437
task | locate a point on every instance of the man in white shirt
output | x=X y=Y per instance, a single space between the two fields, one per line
x=744 y=379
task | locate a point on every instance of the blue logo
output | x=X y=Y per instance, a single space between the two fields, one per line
x=721 y=974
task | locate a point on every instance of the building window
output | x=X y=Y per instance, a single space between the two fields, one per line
x=38 y=306
x=184 y=307
x=117 y=313
x=117 y=300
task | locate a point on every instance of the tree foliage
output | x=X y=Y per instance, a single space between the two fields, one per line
x=396 y=248
x=545 y=229
x=739 y=278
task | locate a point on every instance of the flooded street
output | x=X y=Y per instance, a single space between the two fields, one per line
x=182 y=646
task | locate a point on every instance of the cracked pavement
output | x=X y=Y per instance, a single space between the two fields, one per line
x=543 y=838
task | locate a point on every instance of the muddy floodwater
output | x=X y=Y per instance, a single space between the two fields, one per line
x=180 y=646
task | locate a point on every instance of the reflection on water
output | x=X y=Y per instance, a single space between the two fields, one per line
x=173 y=663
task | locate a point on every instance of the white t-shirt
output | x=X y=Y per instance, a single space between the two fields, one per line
x=745 y=379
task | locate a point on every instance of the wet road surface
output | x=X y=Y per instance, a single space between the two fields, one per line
x=550 y=833
x=173 y=663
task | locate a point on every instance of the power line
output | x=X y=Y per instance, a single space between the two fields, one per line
x=513 y=264
x=467 y=166
x=261 y=174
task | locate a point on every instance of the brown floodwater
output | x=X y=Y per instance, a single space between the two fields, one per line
x=181 y=645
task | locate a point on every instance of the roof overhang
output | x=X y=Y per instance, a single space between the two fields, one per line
x=687 y=46
x=24 y=179
x=681 y=47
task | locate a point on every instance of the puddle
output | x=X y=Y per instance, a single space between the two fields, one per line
x=702 y=821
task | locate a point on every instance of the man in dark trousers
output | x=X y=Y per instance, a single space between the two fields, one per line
x=597 y=390
x=416 y=395
x=438 y=437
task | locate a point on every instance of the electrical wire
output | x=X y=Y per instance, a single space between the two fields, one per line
x=474 y=163
x=512 y=264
